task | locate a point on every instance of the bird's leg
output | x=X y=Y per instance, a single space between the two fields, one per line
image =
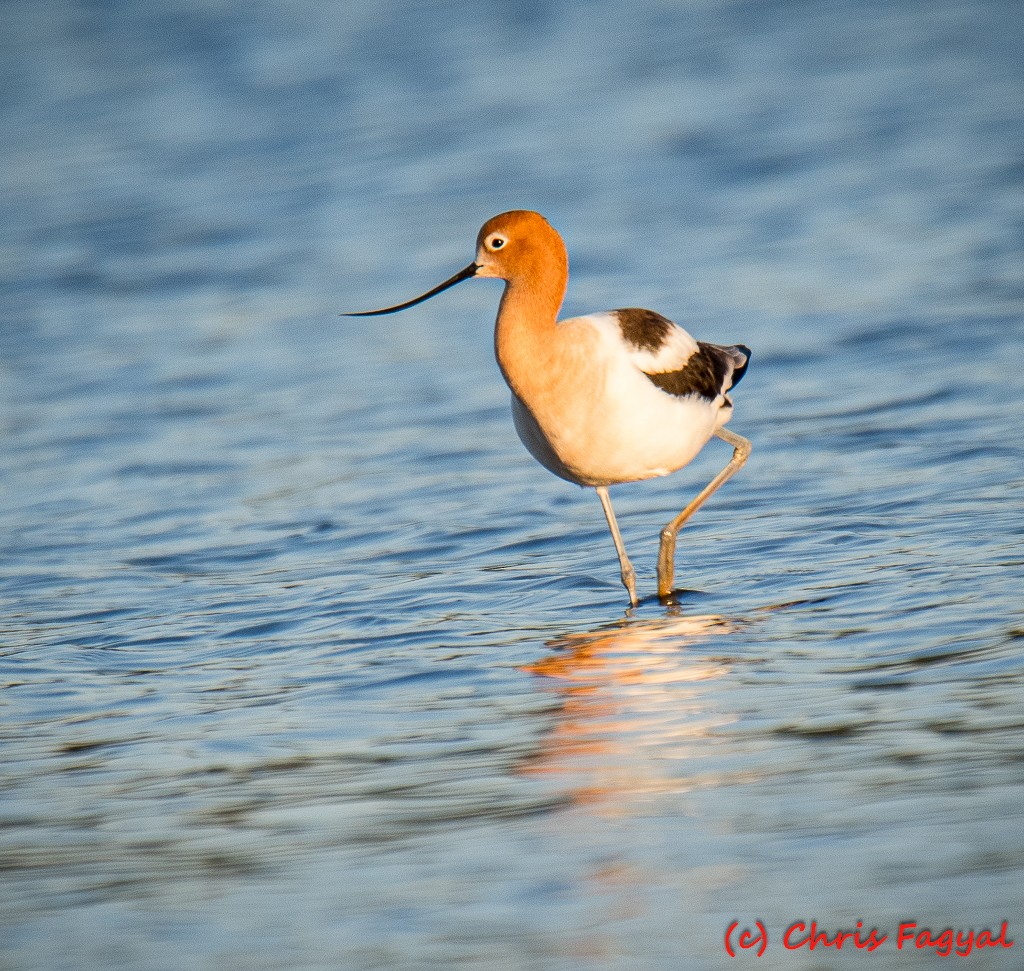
x=667 y=551
x=628 y=573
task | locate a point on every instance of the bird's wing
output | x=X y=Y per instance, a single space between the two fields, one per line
x=673 y=360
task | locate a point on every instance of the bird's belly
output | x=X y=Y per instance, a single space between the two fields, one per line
x=595 y=444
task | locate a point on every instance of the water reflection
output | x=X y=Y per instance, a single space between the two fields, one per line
x=633 y=716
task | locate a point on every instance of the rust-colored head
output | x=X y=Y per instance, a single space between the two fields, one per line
x=520 y=245
x=517 y=246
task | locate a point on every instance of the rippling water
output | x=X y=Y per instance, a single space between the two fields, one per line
x=305 y=664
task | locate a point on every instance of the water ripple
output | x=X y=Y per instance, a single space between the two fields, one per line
x=303 y=662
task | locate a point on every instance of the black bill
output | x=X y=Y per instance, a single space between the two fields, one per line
x=465 y=274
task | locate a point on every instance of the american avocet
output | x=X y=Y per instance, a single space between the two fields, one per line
x=608 y=398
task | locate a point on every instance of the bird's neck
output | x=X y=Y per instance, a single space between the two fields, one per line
x=525 y=333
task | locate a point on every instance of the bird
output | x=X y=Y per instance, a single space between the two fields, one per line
x=603 y=399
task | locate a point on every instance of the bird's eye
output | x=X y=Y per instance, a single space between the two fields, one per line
x=496 y=242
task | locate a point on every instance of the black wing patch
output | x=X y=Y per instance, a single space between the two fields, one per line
x=644 y=329
x=708 y=373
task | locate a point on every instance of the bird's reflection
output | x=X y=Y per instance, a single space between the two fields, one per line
x=633 y=718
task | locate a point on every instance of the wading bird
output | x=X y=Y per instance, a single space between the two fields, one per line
x=611 y=397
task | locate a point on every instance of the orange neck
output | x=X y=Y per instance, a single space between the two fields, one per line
x=524 y=335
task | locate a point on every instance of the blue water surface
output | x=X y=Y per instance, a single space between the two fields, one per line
x=305 y=664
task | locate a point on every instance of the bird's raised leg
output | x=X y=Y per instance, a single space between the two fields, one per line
x=667 y=551
x=628 y=574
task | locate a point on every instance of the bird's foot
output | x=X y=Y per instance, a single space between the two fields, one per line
x=629 y=582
